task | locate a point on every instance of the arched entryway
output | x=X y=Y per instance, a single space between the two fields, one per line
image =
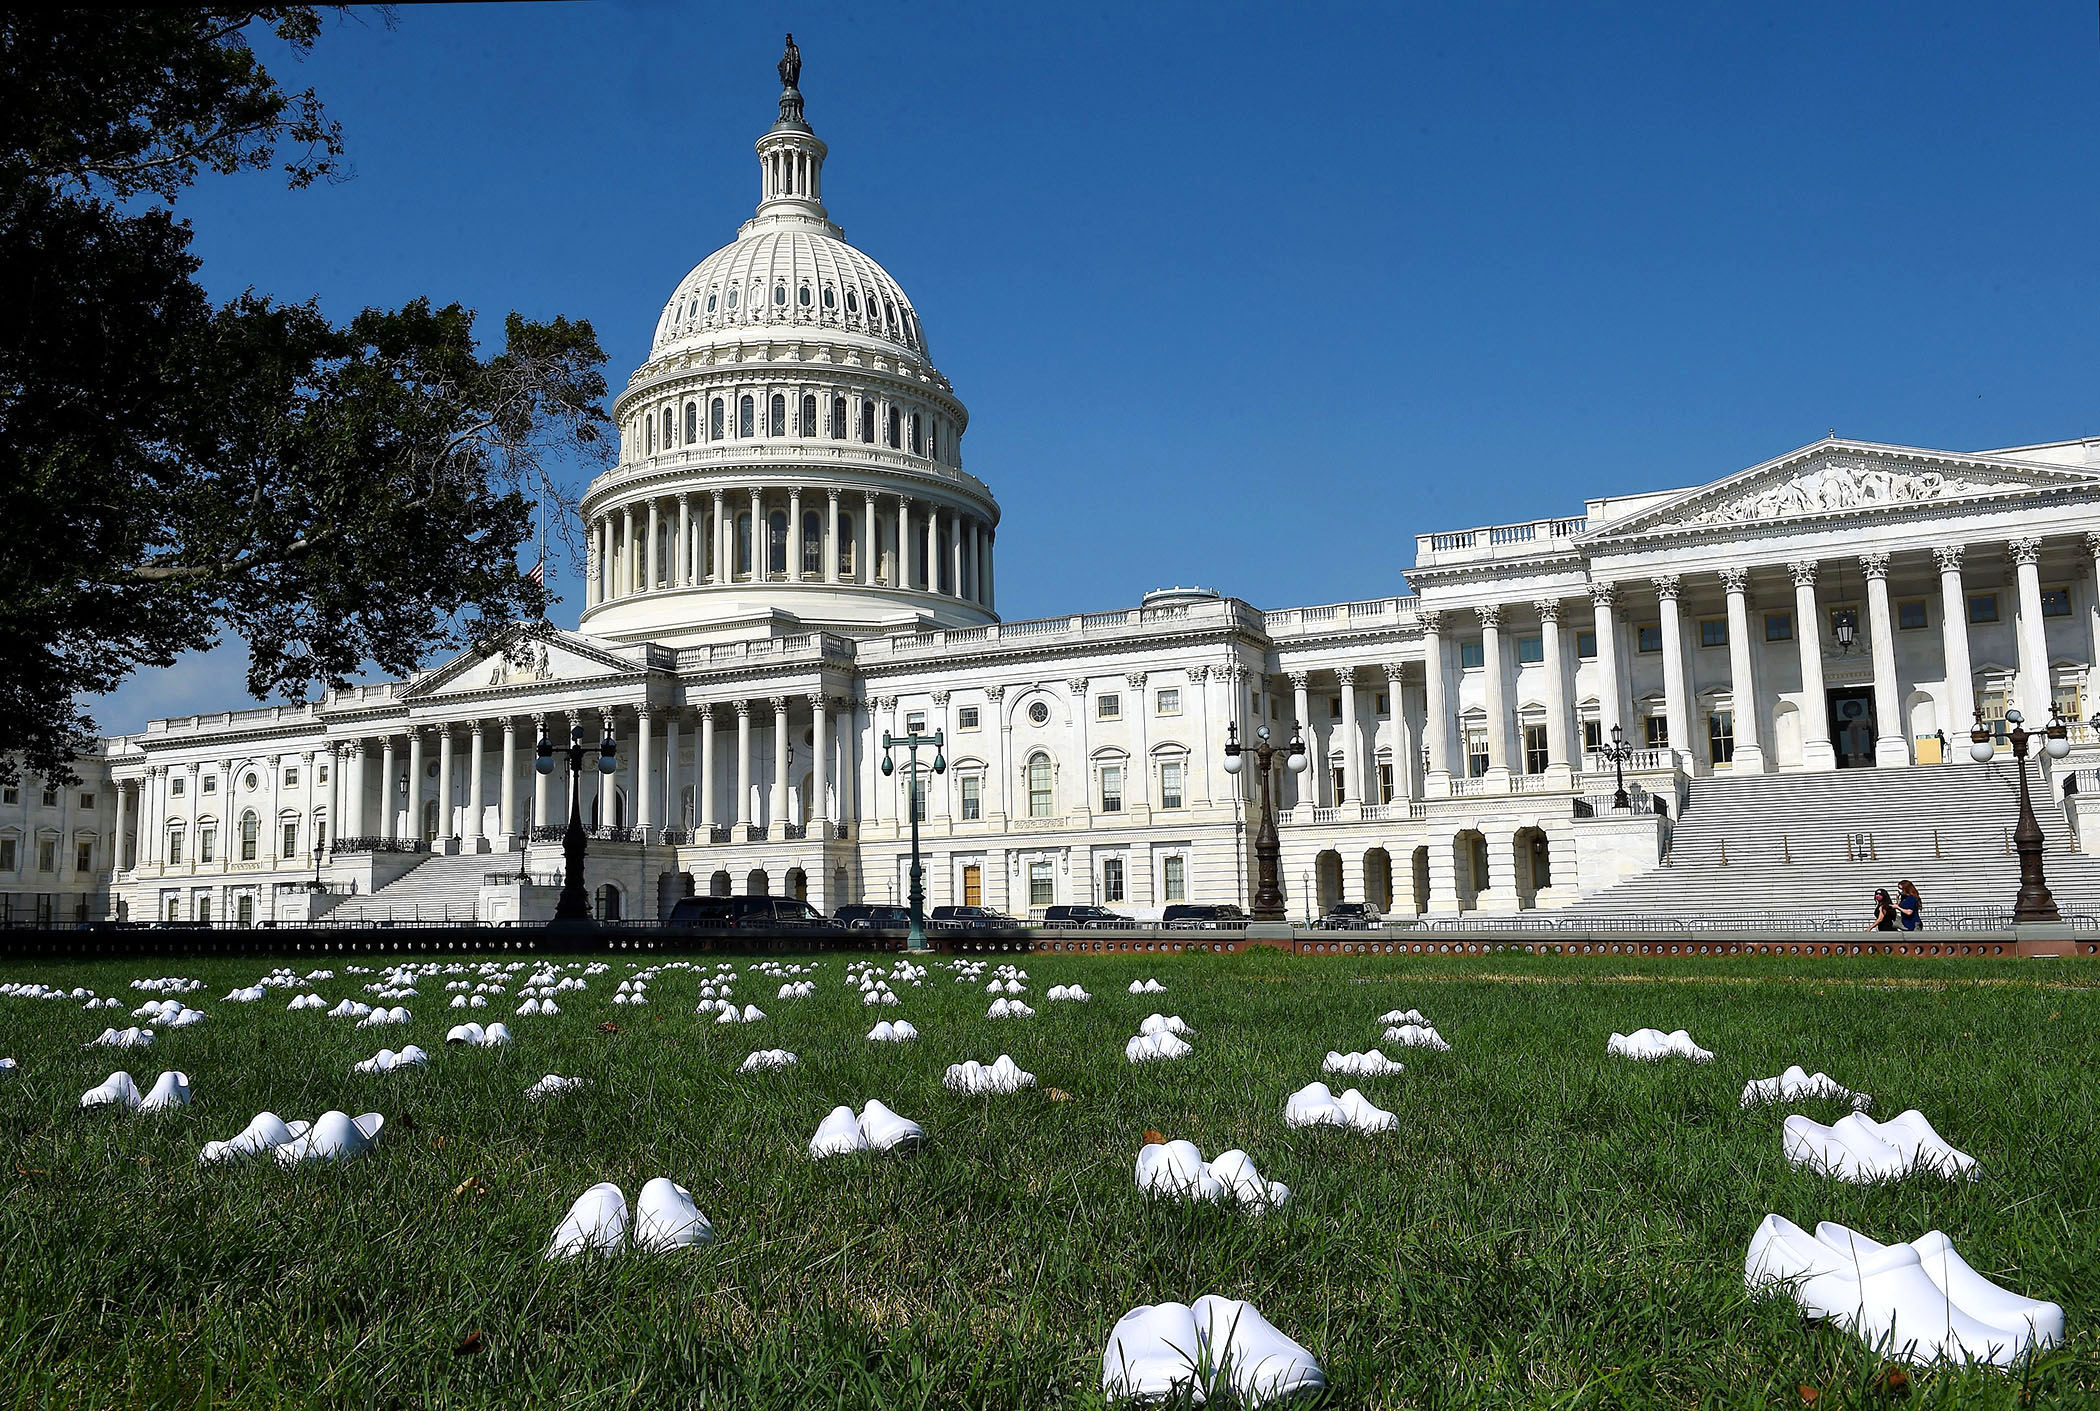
x=1469 y=861
x=1378 y=879
x=1534 y=865
x=1327 y=881
x=840 y=882
x=609 y=903
x=1420 y=869
x=756 y=883
x=798 y=884
x=719 y=885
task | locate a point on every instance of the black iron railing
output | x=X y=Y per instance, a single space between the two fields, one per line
x=356 y=845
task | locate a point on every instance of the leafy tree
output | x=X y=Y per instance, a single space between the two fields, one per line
x=335 y=494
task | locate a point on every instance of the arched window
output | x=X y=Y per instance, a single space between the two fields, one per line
x=890 y=433
x=780 y=296
x=812 y=543
x=250 y=832
x=732 y=297
x=867 y=422
x=777 y=416
x=831 y=297
x=889 y=317
x=809 y=417
x=852 y=302
x=918 y=436
x=714 y=421
x=650 y=434
x=670 y=429
x=743 y=542
x=608 y=903
x=692 y=422
x=777 y=542
x=746 y=417
x=802 y=296
x=933 y=438
x=1041 y=795
x=710 y=301
x=838 y=418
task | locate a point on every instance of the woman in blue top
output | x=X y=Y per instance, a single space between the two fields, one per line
x=1910 y=907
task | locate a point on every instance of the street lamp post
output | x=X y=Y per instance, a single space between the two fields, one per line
x=910 y=743
x=574 y=908
x=1268 y=848
x=1618 y=752
x=2034 y=902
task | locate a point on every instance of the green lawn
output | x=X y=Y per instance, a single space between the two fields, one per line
x=1548 y=1227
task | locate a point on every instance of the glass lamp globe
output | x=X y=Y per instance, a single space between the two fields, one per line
x=544 y=764
x=1232 y=764
x=888 y=768
x=2058 y=746
x=2013 y=717
x=1981 y=751
x=1298 y=762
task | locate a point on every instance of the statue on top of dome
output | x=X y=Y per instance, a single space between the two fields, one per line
x=791 y=64
x=791 y=96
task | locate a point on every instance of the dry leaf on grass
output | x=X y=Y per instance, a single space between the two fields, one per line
x=1154 y=1139
x=472 y=1343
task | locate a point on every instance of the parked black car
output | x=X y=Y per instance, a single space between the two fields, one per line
x=752 y=914
x=862 y=916
x=1202 y=916
x=1350 y=916
x=981 y=919
x=1083 y=916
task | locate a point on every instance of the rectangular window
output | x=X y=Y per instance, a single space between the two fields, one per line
x=207 y=844
x=973 y=885
x=47 y=854
x=1983 y=607
x=211 y=783
x=1174 y=878
x=321 y=775
x=1992 y=703
x=1384 y=705
x=176 y=785
x=1170 y=784
x=50 y=798
x=1534 y=749
x=11 y=794
x=84 y=856
x=1111 y=879
x=1042 y=886
x=7 y=855
x=1530 y=649
x=966 y=718
x=87 y=800
x=1585 y=646
x=1385 y=781
x=1910 y=615
x=918 y=798
x=1779 y=627
x=1658 y=732
x=1592 y=735
x=1648 y=637
x=1334 y=708
x=1111 y=788
x=2056 y=602
x=290 y=841
x=175 y=848
x=1476 y=752
x=1168 y=702
x=2069 y=700
x=203 y=907
x=1472 y=655
x=1339 y=782
x=1720 y=737
x=914 y=722
x=291 y=778
x=972 y=798
x=1108 y=706
x=1713 y=632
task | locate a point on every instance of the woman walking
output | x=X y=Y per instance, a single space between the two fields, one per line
x=1910 y=907
x=1884 y=911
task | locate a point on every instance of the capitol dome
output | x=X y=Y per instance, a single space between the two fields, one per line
x=790 y=459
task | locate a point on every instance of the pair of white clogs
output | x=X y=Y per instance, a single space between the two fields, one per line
x=1361 y=1065
x=474 y=1036
x=877 y=1128
x=1147 y=987
x=122 y=1038
x=1075 y=993
x=665 y=1219
x=1008 y=1009
x=118 y=1090
x=1177 y=1168
x=1315 y=1105
x=1001 y=1075
x=900 y=1032
x=1794 y=1085
x=765 y=1059
x=388 y=1061
x=1157 y=1047
x=1919 y=1301
x=1859 y=1149
x=1412 y=1035
x=553 y=1085
x=1649 y=1045
x=1207 y=1347
x=336 y=1136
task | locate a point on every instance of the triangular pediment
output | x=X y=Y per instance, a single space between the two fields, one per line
x=523 y=656
x=1837 y=478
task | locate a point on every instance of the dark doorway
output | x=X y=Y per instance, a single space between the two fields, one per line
x=1852 y=727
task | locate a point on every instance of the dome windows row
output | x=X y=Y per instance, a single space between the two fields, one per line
x=807 y=416
x=862 y=310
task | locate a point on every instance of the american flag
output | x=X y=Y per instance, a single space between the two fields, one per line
x=538 y=574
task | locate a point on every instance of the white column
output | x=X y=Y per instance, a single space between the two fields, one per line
x=1677 y=700
x=930 y=549
x=649 y=554
x=447 y=830
x=955 y=555
x=1078 y=687
x=388 y=828
x=1354 y=784
x=1816 y=750
x=1311 y=786
x=831 y=536
x=682 y=559
x=471 y=833
x=721 y=542
x=758 y=536
x=849 y=767
x=306 y=803
x=1138 y=787
x=817 y=808
x=867 y=541
x=794 y=536
x=1556 y=666
x=977 y=574
x=1198 y=781
x=1745 y=700
x=645 y=768
x=507 y=795
x=608 y=580
x=1611 y=698
x=743 y=761
x=2035 y=696
x=778 y=808
x=674 y=782
x=629 y=571
x=704 y=791
x=1497 y=694
x=354 y=804
x=1436 y=722
x=1891 y=732
x=540 y=782
x=991 y=578
x=1954 y=648
x=391 y=800
x=997 y=768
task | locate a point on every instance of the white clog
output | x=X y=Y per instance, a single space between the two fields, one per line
x=596 y=1224
x=666 y=1219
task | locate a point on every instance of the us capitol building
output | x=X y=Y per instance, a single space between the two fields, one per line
x=791 y=559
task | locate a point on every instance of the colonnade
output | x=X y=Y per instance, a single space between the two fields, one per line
x=721 y=537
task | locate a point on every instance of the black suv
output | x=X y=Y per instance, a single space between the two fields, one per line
x=1194 y=916
x=862 y=916
x=981 y=919
x=1083 y=916
x=1350 y=916
x=751 y=914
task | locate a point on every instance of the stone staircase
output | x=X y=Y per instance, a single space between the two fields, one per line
x=1813 y=847
x=437 y=889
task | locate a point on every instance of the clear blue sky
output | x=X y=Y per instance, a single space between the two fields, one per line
x=1249 y=296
